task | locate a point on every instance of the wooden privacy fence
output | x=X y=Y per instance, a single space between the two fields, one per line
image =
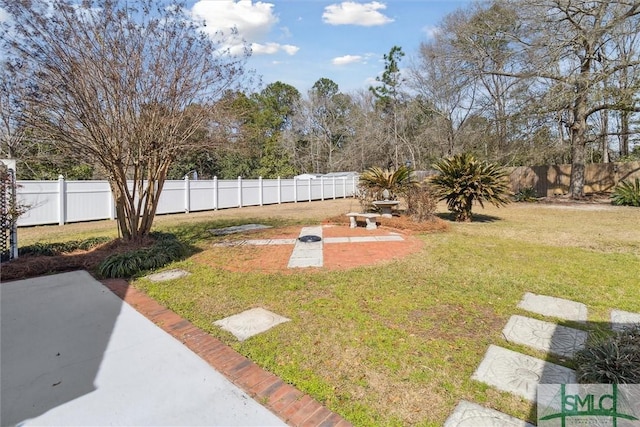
x=554 y=179
x=61 y=201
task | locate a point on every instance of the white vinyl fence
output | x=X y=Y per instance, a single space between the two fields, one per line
x=61 y=202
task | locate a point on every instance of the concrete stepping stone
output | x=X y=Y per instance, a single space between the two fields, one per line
x=237 y=229
x=250 y=322
x=307 y=254
x=545 y=336
x=623 y=319
x=555 y=307
x=468 y=414
x=518 y=373
x=163 y=276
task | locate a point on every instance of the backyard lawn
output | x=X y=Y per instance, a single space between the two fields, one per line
x=397 y=343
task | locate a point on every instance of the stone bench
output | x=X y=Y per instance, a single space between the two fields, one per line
x=370 y=218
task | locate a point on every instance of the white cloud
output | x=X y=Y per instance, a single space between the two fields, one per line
x=272 y=48
x=265 y=49
x=251 y=21
x=431 y=31
x=290 y=49
x=352 y=13
x=347 y=59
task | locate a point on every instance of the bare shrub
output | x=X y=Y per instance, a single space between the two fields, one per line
x=421 y=203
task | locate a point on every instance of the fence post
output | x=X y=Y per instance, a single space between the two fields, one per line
x=215 y=193
x=309 y=189
x=239 y=191
x=344 y=187
x=333 y=185
x=279 y=190
x=295 y=190
x=260 y=197
x=187 y=194
x=322 y=188
x=61 y=200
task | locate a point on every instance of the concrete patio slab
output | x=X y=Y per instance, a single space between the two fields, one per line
x=545 y=336
x=250 y=322
x=307 y=254
x=237 y=229
x=622 y=319
x=555 y=307
x=518 y=373
x=164 y=276
x=468 y=414
x=75 y=354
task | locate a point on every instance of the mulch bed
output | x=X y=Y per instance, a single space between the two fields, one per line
x=27 y=266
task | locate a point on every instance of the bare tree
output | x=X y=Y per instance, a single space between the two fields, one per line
x=124 y=85
x=438 y=77
x=13 y=131
x=558 y=43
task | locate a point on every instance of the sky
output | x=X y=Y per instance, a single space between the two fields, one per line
x=300 y=41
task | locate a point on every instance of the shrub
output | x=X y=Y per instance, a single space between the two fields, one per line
x=375 y=180
x=462 y=180
x=627 y=193
x=611 y=360
x=421 y=203
x=57 y=248
x=165 y=250
x=527 y=194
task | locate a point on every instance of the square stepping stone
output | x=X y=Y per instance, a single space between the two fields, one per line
x=163 y=276
x=518 y=373
x=307 y=254
x=545 y=336
x=623 y=319
x=250 y=322
x=237 y=229
x=468 y=414
x=555 y=307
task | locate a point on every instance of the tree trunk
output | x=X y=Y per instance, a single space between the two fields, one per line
x=624 y=133
x=576 y=187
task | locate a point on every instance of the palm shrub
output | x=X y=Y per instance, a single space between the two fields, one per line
x=462 y=180
x=627 y=193
x=375 y=180
x=611 y=360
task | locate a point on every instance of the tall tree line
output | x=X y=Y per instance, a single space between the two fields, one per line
x=516 y=82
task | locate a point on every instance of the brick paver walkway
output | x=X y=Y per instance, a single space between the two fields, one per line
x=284 y=400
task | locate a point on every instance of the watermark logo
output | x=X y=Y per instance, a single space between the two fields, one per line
x=601 y=405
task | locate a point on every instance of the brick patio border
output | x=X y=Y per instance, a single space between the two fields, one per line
x=284 y=400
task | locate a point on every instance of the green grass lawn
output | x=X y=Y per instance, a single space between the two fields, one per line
x=397 y=344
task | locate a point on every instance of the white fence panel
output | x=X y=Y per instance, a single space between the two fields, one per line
x=60 y=202
x=316 y=189
x=87 y=200
x=271 y=193
x=287 y=190
x=228 y=194
x=201 y=195
x=172 y=198
x=251 y=192
x=42 y=199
